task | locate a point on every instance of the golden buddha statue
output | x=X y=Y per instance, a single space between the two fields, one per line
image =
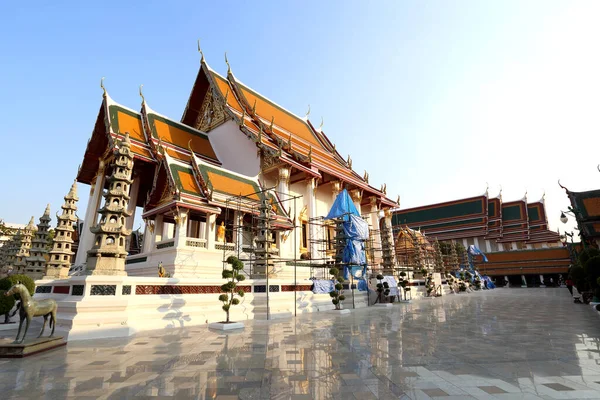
x=221 y=233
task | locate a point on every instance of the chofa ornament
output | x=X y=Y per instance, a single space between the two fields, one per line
x=33 y=308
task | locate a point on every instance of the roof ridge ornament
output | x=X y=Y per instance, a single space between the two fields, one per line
x=366 y=176
x=307 y=112
x=227 y=62
x=142 y=94
x=566 y=190
x=272 y=121
x=254 y=108
x=487 y=188
x=189 y=145
x=398 y=200
x=321 y=127
x=201 y=53
x=349 y=162
x=104 y=94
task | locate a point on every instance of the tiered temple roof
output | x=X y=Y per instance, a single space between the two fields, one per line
x=177 y=165
x=587 y=207
x=481 y=216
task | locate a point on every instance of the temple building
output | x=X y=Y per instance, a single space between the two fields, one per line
x=200 y=185
x=514 y=235
x=585 y=208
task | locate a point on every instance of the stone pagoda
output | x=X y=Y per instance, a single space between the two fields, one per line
x=107 y=255
x=10 y=254
x=36 y=262
x=61 y=253
x=24 y=248
x=264 y=251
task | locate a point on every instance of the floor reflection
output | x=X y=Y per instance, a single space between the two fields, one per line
x=506 y=343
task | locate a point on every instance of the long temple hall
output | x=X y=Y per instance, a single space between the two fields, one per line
x=495 y=344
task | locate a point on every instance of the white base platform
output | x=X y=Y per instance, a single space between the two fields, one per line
x=383 y=305
x=405 y=301
x=222 y=326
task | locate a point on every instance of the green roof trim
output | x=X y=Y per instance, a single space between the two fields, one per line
x=534 y=214
x=578 y=198
x=511 y=213
x=175 y=168
x=457 y=210
x=114 y=118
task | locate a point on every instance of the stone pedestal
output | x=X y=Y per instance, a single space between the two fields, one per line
x=29 y=347
x=223 y=326
x=114 y=266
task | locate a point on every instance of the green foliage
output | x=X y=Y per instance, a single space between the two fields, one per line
x=403 y=274
x=592 y=269
x=586 y=254
x=6 y=303
x=11 y=280
x=230 y=288
x=459 y=247
x=383 y=288
x=336 y=294
x=379 y=277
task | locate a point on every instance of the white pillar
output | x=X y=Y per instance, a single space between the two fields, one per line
x=86 y=241
x=148 y=236
x=283 y=186
x=356 y=196
x=238 y=218
x=133 y=196
x=375 y=227
x=181 y=228
x=488 y=246
x=211 y=220
x=158 y=231
x=311 y=195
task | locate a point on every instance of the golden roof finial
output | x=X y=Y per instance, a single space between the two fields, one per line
x=307 y=112
x=254 y=107
x=200 y=51
x=190 y=146
x=366 y=176
x=321 y=124
x=142 y=94
x=226 y=96
x=243 y=120
x=349 y=161
x=227 y=62
x=102 y=86
x=272 y=121
x=398 y=200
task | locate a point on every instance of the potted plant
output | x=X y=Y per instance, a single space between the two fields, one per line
x=383 y=290
x=231 y=294
x=336 y=294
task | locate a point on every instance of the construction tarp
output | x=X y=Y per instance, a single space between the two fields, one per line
x=342 y=207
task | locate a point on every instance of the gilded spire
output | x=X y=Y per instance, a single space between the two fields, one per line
x=321 y=124
x=366 y=176
x=307 y=112
x=349 y=161
x=103 y=88
x=227 y=62
x=201 y=53
x=398 y=200
x=142 y=94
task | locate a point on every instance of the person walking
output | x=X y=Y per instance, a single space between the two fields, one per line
x=569 y=283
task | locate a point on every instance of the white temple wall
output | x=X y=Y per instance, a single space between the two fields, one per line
x=235 y=151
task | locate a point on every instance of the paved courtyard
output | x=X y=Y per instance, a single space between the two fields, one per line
x=505 y=343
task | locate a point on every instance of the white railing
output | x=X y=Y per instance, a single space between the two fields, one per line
x=192 y=242
x=225 y=246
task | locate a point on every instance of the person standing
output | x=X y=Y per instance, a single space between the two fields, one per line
x=569 y=283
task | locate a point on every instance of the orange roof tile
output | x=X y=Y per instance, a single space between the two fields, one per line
x=180 y=135
x=125 y=122
x=224 y=87
x=235 y=187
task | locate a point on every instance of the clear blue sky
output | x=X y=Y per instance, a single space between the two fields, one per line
x=434 y=98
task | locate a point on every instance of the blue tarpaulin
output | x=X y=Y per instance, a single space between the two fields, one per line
x=321 y=286
x=474 y=251
x=362 y=285
x=342 y=207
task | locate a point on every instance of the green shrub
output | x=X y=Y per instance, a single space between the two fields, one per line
x=338 y=288
x=233 y=276
x=11 y=280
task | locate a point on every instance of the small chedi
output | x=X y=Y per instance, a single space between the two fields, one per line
x=24 y=248
x=36 y=262
x=61 y=253
x=107 y=255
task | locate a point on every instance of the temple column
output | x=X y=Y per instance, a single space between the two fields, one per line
x=148 y=236
x=181 y=223
x=158 y=227
x=356 y=196
x=311 y=196
x=375 y=233
x=86 y=241
x=283 y=186
x=336 y=187
x=133 y=196
x=488 y=246
x=211 y=222
x=238 y=218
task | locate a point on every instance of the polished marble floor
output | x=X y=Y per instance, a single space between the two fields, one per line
x=499 y=344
